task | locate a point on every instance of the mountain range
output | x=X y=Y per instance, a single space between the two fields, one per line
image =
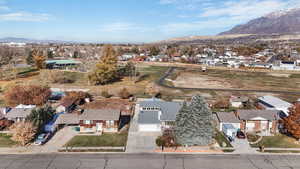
x=25 y=40
x=280 y=22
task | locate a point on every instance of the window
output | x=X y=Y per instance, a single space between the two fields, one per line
x=87 y=122
x=110 y=124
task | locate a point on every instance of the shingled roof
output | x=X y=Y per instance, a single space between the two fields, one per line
x=100 y=114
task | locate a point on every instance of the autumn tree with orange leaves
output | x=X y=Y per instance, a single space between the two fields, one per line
x=23 y=132
x=27 y=95
x=292 y=122
x=39 y=59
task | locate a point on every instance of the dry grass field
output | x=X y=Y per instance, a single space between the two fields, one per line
x=238 y=80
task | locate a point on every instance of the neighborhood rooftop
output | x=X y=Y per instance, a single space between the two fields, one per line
x=250 y=114
x=274 y=101
x=227 y=117
x=168 y=109
x=18 y=112
x=101 y=114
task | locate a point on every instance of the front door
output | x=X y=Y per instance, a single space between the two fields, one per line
x=99 y=127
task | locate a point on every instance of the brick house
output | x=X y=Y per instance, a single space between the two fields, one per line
x=99 y=120
x=262 y=121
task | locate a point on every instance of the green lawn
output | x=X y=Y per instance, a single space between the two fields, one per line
x=5 y=141
x=220 y=138
x=278 y=141
x=105 y=140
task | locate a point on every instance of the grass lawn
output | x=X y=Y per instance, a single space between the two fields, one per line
x=105 y=140
x=5 y=141
x=220 y=138
x=278 y=141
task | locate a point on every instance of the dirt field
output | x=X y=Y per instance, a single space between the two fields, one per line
x=238 y=80
x=191 y=80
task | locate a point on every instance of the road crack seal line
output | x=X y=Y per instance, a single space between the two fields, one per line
x=165 y=162
x=268 y=161
x=79 y=165
x=51 y=161
x=287 y=161
x=105 y=163
x=183 y=163
x=253 y=164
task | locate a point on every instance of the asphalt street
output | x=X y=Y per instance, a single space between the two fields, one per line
x=148 y=161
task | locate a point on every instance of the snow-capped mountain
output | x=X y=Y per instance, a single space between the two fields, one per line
x=279 y=22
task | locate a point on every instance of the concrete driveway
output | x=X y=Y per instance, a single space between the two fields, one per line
x=60 y=138
x=140 y=142
x=242 y=146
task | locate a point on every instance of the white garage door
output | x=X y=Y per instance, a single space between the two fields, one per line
x=149 y=127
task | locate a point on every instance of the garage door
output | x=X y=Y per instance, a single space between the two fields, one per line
x=149 y=127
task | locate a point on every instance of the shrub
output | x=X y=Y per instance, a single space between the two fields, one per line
x=63 y=78
x=77 y=97
x=27 y=95
x=104 y=93
x=23 y=132
x=124 y=93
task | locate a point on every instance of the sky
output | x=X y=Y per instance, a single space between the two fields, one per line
x=128 y=20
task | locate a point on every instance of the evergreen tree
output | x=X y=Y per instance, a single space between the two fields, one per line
x=40 y=116
x=29 y=59
x=193 y=124
x=50 y=54
x=106 y=70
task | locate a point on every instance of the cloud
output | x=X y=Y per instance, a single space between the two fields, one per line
x=245 y=8
x=24 y=17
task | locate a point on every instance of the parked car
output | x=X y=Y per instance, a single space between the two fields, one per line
x=240 y=135
x=42 y=139
x=231 y=139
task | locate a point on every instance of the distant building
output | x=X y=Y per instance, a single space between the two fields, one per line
x=286 y=66
x=62 y=64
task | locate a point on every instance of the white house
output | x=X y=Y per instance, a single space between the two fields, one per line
x=155 y=115
x=224 y=118
x=274 y=103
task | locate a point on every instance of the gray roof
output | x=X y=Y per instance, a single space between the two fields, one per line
x=250 y=114
x=100 y=114
x=169 y=110
x=227 y=117
x=275 y=101
x=148 y=117
x=70 y=118
x=18 y=113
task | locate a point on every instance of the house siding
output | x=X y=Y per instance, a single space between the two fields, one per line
x=92 y=127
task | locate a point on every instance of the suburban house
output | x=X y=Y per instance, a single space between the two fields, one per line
x=92 y=120
x=274 y=103
x=18 y=114
x=238 y=101
x=225 y=118
x=156 y=114
x=67 y=105
x=98 y=121
x=263 y=121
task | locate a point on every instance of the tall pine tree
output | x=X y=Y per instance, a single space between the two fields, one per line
x=193 y=124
